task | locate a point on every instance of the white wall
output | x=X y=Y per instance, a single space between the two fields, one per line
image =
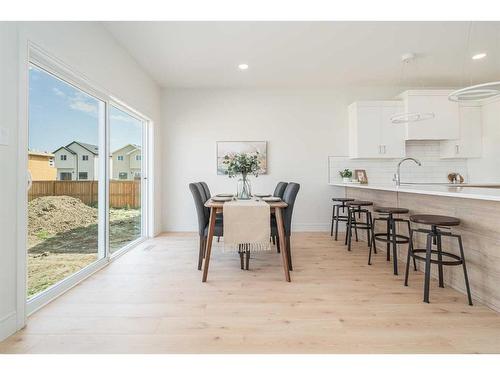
x=90 y=49
x=8 y=176
x=302 y=127
x=485 y=169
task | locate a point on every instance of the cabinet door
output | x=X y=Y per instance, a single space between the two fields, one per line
x=445 y=124
x=368 y=132
x=469 y=144
x=392 y=136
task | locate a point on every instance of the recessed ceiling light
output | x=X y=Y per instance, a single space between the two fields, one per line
x=479 y=56
x=243 y=66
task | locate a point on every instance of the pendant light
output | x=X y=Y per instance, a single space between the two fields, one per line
x=474 y=93
x=409 y=117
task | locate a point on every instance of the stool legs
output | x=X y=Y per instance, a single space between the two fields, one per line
x=410 y=253
x=394 y=245
x=427 y=267
x=467 y=286
x=333 y=219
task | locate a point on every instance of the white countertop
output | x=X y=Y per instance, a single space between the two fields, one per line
x=483 y=193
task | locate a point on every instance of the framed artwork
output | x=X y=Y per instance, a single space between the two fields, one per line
x=360 y=175
x=236 y=147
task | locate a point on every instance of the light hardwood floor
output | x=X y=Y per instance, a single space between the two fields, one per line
x=152 y=300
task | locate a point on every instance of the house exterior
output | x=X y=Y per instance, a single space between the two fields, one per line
x=77 y=161
x=126 y=162
x=41 y=166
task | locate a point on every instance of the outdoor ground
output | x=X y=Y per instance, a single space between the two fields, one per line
x=62 y=237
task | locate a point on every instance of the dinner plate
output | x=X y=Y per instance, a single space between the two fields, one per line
x=271 y=199
x=222 y=199
x=260 y=195
x=225 y=195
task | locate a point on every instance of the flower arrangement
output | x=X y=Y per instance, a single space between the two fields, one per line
x=243 y=164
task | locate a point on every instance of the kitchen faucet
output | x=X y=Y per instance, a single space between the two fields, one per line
x=397 y=175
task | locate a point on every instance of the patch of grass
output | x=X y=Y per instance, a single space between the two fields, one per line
x=46 y=270
x=43 y=234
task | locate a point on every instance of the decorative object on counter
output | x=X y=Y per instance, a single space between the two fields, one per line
x=456 y=178
x=407 y=117
x=225 y=148
x=242 y=164
x=346 y=175
x=475 y=93
x=361 y=176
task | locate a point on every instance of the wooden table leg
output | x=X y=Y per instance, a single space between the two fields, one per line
x=282 y=239
x=210 y=236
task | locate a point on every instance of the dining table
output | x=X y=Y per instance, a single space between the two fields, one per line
x=218 y=207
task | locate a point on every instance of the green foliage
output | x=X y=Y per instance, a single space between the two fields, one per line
x=43 y=234
x=346 y=173
x=243 y=164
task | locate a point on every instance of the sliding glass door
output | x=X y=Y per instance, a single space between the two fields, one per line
x=87 y=163
x=126 y=177
x=63 y=201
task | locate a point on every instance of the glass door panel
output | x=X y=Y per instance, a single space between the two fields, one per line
x=125 y=183
x=63 y=161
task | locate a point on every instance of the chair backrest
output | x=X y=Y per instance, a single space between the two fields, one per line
x=199 y=202
x=208 y=195
x=280 y=189
x=289 y=197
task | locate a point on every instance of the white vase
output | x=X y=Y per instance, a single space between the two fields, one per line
x=346 y=180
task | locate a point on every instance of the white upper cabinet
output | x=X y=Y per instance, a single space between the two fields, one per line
x=371 y=133
x=445 y=124
x=469 y=143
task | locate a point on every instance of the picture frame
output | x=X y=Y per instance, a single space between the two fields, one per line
x=361 y=176
x=225 y=147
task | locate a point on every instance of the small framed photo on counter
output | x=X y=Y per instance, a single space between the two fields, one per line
x=360 y=175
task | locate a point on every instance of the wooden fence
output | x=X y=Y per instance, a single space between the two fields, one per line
x=121 y=193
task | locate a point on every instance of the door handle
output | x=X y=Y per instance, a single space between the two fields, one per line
x=457 y=149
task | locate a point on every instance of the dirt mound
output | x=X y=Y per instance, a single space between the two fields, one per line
x=48 y=216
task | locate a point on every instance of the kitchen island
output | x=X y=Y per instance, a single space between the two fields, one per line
x=478 y=208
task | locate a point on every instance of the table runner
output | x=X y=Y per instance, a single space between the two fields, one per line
x=247 y=222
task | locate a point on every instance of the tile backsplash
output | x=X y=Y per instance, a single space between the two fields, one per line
x=381 y=171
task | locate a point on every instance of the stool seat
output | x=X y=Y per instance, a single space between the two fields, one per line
x=360 y=203
x=342 y=199
x=391 y=210
x=439 y=220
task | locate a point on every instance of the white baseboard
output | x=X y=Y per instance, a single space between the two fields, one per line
x=8 y=325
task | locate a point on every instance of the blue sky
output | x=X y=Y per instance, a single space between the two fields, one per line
x=59 y=114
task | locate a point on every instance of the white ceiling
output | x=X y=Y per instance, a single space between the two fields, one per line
x=310 y=54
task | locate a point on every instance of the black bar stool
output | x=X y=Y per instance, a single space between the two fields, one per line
x=356 y=207
x=336 y=216
x=434 y=237
x=390 y=236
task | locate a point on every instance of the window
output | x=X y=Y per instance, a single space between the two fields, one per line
x=51 y=162
x=123 y=175
x=64 y=157
x=137 y=175
x=138 y=157
x=85 y=157
x=83 y=175
x=120 y=157
x=65 y=176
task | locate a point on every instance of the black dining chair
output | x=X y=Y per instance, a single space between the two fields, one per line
x=203 y=214
x=280 y=189
x=289 y=197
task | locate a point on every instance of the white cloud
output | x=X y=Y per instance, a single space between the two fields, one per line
x=83 y=106
x=123 y=118
x=58 y=92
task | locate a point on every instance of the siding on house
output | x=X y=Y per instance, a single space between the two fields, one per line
x=81 y=162
x=124 y=162
x=41 y=166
